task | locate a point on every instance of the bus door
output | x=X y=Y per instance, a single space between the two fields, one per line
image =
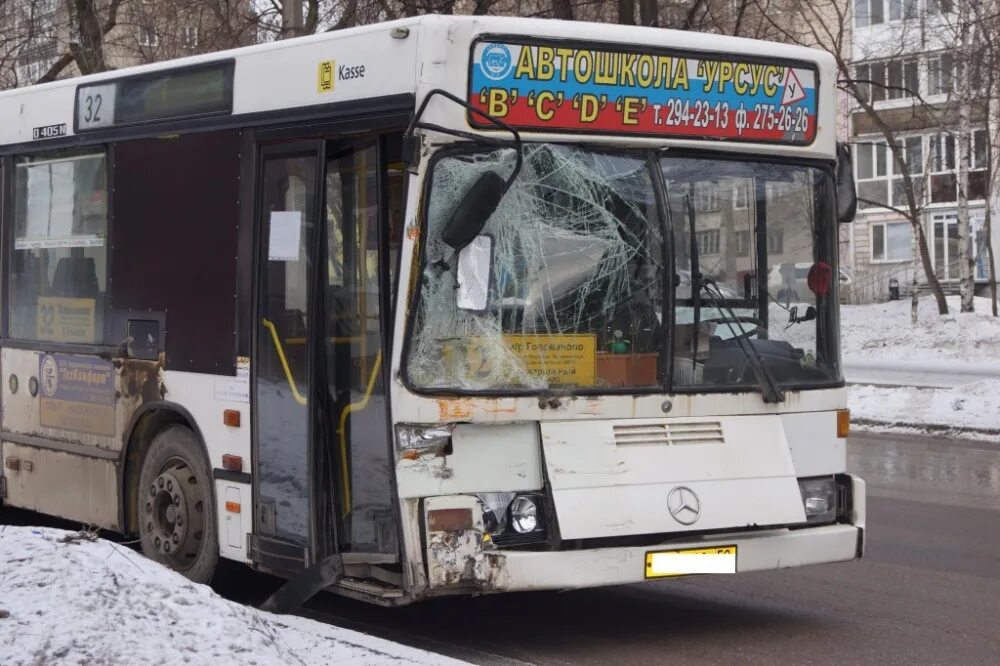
x=322 y=461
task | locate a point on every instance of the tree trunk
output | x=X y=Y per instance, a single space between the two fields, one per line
x=562 y=9
x=626 y=12
x=988 y=230
x=966 y=283
x=649 y=12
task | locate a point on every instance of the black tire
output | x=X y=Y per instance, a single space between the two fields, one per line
x=176 y=505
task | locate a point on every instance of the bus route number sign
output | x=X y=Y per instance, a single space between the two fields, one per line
x=565 y=87
x=95 y=106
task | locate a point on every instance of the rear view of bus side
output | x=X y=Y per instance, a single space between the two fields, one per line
x=440 y=306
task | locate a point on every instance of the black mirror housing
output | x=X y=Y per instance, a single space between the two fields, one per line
x=474 y=210
x=847 y=194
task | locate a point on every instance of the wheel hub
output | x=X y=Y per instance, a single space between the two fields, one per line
x=174 y=512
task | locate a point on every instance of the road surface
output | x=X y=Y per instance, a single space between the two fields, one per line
x=927 y=591
x=924 y=374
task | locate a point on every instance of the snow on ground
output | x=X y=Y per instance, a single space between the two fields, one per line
x=882 y=331
x=96 y=602
x=972 y=406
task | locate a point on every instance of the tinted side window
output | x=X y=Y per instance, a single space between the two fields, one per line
x=58 y=279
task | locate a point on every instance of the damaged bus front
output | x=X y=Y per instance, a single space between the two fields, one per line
x=621 y=352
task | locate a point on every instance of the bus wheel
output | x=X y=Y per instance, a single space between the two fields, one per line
x=175 y=506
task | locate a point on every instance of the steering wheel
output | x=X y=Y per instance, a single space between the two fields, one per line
x=746 y=319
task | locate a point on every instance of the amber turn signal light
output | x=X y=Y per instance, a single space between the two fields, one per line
x=232 y=463
x=233 y=507
x=231 y=417
x=449 y=520
x=843 y=422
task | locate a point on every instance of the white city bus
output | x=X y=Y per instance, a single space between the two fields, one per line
x=444 y=305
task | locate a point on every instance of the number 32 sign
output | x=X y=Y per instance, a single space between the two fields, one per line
x=95 y=106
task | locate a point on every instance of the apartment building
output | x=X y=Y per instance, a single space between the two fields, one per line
x=904 y=59
x=38 y=33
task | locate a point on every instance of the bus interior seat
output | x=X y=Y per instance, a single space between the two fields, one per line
x=76 y=277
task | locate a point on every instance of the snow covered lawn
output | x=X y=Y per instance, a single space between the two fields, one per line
x=883 y=331
x=64 y=600
x=972 y=406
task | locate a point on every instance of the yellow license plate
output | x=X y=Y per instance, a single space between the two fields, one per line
x=663 y=563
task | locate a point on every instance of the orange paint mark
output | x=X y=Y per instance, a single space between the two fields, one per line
x=451 y=410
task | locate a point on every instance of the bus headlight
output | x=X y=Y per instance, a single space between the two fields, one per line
x=524 y=514
x=514 y=519
x=819 y=499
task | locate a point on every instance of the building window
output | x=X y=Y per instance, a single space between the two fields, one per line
x=741 y=195
x=706 y=197
x=775 y=241
x=872 y=174
x=890 y=79
x=742 y=243
x=943 y=182
x=940 y=74
x=873 y=12
x=936 y=7
x=189 y=36
x=708 y=241
x=912 y=152
x=59 y=265
x=892 y=241
x=147 y=36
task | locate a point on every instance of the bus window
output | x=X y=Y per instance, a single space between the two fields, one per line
x=354 y=349
x=59 y=267
x=282 y=388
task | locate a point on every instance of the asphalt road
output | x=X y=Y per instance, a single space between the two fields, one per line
x=927 y=591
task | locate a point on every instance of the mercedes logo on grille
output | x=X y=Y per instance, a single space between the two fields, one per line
x=684 y=505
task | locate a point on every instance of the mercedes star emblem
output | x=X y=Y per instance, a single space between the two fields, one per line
x=684 y=505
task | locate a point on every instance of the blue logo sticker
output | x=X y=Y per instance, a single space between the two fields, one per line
x=496 y=61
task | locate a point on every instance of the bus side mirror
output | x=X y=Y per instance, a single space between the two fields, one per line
x=475 y=266
x=475 y=208
x=847 y=195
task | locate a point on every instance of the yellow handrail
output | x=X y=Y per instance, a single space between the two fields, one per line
x=299 y=398
x=342 y=430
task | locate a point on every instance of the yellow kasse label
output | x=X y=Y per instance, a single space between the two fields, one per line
x=720 y=559
x=325 y=76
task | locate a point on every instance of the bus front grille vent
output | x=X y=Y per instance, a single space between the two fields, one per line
x=698 y=432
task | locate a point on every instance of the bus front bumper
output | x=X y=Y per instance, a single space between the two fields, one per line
x=757 y=551
x=462 y=561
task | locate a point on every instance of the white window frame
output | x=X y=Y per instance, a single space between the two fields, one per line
x=707 y=241
x=190 y=35
x=885 y=224
x=146 y=35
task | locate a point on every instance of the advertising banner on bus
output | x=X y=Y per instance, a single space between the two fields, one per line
x=563 y=86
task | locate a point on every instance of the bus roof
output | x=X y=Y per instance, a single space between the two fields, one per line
x=398 y=60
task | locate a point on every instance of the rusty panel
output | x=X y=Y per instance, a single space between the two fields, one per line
x=174 y=239
x=61 y=484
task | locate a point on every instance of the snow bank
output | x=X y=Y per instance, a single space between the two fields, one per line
x=96 y=602
x=972 y=406
x=883 y=330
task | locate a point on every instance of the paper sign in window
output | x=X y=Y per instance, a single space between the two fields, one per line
x=286 y=232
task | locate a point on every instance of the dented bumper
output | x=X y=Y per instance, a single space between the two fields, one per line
x=461 y=557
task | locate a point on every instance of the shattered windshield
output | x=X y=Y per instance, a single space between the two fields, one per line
x=575 y=277
x=565 y=285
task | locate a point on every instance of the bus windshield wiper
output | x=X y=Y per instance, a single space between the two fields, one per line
x=768 y=386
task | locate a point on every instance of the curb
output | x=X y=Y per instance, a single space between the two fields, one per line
x=932 y=429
